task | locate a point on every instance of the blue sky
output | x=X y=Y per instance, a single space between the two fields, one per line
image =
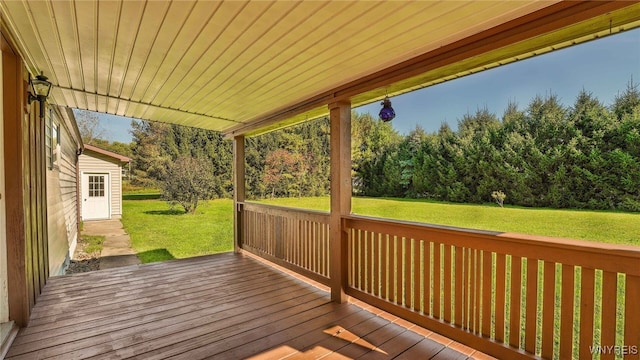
x=602 y=67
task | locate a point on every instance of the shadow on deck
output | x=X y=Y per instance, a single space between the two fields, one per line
x=225 y=306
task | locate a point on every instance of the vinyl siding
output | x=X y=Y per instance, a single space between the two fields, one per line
x=62 y=199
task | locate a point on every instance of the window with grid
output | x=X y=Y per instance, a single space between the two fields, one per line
x=96 y=186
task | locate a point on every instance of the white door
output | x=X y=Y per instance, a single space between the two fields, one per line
x=95 y=196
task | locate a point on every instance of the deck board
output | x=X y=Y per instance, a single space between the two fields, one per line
x=225 y=306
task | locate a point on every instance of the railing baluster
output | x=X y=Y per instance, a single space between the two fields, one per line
x=486 y=292
x=566 y=312
x=436 y=280
x=587 y=282
x=364 y=272
x=447 y=283
x=384 y=275
x=325 y=239
x=353 y=255
x=279 y=237
x=608 y=313
x=548 y=306
x=299 y=243
x=477 y=285
x=264 y=242
x=426 y=280
x=392 y=269
x=531 y=301
x=459 y=296
x=313 y=266
x=632 y=317
x=500 y=297
x=319 y=248
x=469 y=288
x=286 y=238
x=373 y=264
x=417 y=281
x=307 y=245
x=258 y=240
x=407 y=285
x=514 y=308
x=268 y=226
x=359 y=259
x=363 y=262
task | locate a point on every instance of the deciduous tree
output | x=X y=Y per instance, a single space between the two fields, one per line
x=187 y=181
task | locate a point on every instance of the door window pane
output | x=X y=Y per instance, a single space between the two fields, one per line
x=96 y=186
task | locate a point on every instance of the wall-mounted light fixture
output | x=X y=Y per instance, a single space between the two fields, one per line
x=386 y=113
x=39 y=89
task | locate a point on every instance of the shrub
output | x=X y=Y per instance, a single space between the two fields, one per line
x=498 y=197
x=188 y=180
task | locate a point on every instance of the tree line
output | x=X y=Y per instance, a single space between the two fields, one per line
x=586 y=156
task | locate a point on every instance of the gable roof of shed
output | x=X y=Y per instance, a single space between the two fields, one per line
x=120 y=158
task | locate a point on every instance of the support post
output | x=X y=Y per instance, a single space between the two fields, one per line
x=340 y=141
x=19 y=277
x=238 y=190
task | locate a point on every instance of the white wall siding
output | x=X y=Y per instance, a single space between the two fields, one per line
x=62 y=198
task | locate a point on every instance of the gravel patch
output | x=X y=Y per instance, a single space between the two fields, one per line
x=83 y=261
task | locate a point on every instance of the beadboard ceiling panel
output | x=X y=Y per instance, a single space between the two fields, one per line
x=250 y=66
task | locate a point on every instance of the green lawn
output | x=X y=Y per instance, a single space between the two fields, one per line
x=603 y=226
x=160 y=233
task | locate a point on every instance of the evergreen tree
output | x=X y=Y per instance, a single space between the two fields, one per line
x=547 y=155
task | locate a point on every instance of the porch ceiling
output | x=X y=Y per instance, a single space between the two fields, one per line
x=243 y=67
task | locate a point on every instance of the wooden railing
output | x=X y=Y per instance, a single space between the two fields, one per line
x=294 y=238
x=509 y=295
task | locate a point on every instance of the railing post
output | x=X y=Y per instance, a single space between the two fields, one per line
x=238 y=190
x=340 y=141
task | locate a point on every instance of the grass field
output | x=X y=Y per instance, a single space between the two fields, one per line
x=160 y=233
x=602 y=226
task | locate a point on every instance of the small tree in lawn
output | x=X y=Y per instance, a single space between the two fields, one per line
x=498 y=197
x=188 y=180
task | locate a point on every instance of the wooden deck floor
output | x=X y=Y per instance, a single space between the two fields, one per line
x=224 y=306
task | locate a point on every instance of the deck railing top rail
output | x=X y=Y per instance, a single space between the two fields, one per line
x=314 y=215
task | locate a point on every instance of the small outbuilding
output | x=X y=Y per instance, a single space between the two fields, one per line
x=101 y=183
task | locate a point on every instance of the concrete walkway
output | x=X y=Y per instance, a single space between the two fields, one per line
x=116 y=249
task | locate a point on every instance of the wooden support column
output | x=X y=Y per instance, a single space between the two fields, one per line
x=19 y=283
x=340 y=140
x=238 y=190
